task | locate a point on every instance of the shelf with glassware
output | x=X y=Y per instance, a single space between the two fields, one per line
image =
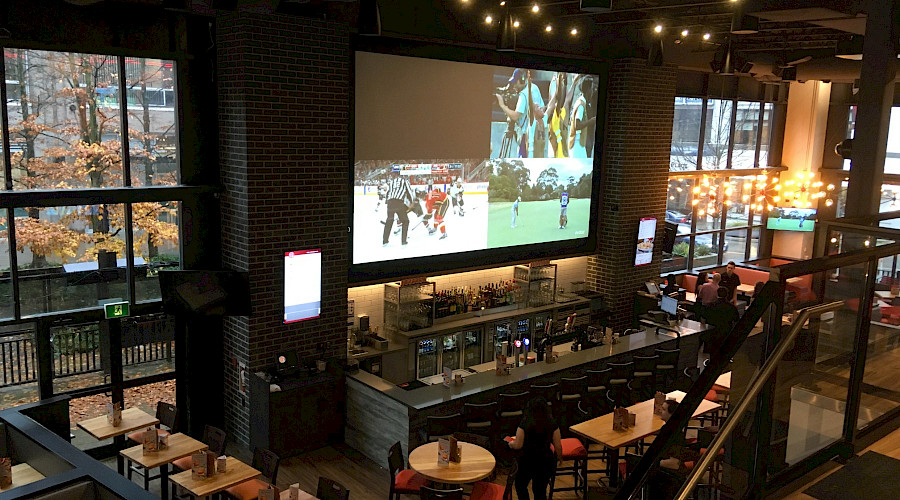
x=536 y=283
x=408 y=305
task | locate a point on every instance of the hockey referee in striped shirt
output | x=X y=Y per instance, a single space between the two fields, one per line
x=399 y=196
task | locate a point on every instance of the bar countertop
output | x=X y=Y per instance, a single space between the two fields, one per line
x=425 y=397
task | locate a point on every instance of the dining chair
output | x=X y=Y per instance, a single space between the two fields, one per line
x=329 y=489
x=483 y=490
x=214 y=438
x=434 y=494
x=404 y=481
x=167 y=415
x=264 y=461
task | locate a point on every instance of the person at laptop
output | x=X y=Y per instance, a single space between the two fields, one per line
x=671 y=286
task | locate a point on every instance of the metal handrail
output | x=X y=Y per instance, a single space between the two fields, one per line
x=755 y=387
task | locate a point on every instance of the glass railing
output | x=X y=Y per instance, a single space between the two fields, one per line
x=834 y=381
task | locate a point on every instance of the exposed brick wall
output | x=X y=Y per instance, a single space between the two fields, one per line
x=634 y=176
x=284 y=105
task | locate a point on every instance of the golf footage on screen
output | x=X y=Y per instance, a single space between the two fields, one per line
x=454 y=157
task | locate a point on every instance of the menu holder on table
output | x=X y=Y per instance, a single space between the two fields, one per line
x=114 y=414
x=270 y=492
x=5 y=472
x=294 y=492
x=443 y=452
x=501 y=364
x=150 y=441
x=203 y=464
x=455 y=455
x=659 y=400
x=623 y=419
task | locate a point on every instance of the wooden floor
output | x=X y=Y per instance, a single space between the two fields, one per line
x=888 y=445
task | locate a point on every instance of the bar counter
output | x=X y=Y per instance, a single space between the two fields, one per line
x=380 y=413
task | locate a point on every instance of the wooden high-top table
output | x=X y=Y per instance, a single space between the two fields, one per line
x=179 y=445
x=647 y=423
x=477 y=463
x=236 y=472
x=132 y=419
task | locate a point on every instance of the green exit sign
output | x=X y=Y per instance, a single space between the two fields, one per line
x=116 y=310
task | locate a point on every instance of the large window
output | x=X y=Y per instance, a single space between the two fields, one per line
x=713 y=217
x=735 y=134
x=79 y=128
x=67 y=131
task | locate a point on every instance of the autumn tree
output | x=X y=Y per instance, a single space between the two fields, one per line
x=67 y=134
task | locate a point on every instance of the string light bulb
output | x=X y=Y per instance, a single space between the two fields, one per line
x=707 y=36
x=548 y=29
x=488 y=19
x=574 y=31
x=535 y=8
x=685 y=32
x=658 y=28
x=516 y=23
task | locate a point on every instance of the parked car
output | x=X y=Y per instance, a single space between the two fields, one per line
x=677 y=217
x=700 y=239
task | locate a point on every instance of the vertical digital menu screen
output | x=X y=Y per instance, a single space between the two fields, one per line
x=302 y=285
x=646 y=233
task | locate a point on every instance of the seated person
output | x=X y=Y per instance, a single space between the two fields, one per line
x=671 y=286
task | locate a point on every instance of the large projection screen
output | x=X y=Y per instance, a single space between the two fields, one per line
x=464 y=158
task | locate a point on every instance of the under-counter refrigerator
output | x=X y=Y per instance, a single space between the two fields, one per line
x=474 y=348
x=427 y=357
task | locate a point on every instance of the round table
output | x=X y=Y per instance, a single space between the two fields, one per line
x=477 y=463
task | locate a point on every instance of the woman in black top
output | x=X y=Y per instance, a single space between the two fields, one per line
x=534 y=436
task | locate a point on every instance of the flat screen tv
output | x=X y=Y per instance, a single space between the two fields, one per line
x=643 y=252
x=302 y=285
x=792 y=219
x=471 y=164
x=205 y=293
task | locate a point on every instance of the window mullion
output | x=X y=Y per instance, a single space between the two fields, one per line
x=759 y=132
x=732 y=130
x=702 y=137
x=126 y=172
x=4 y=122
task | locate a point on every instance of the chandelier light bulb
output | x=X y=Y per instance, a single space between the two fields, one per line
x=828 y=202
x=658 y=28
x=707 y=36
x=516 y=23
x=488 y=19
x=548 y=29
x=535 y=8
x=685 y=33
x=574 y=31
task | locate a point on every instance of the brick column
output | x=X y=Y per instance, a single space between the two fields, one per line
x=634 y=176
x=284 y=104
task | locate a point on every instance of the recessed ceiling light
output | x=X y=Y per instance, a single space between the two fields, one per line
x=516 y=23
x=535 y=8
x=548 y=29
x=574 y=31
x=685 y=32
x=488 y=19
x=658 y=28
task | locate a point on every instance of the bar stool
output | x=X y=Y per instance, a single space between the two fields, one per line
x=571 y=394
x=441 y=426
x=595 y=392
x=618 y=383
x=546 y=391
x=572 y=448
x=666 y=369
x=643 y=380
x=479 y=418
x=512 y=407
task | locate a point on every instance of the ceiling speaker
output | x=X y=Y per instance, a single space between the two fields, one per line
x=596 y=5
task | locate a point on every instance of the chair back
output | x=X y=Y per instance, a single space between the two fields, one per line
x=395 y=460
x=621 y=372
x=477 y=439
x=598 y=380
x=214 y=438
x=572 y=388
x=513 y=403
x=167 y=415
x=479 y=416
x=441 y=426
x=547 y=391
x=266 y=462
x=329 y=489
x=645 y=365
x=433 y=494
x=668 y=359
